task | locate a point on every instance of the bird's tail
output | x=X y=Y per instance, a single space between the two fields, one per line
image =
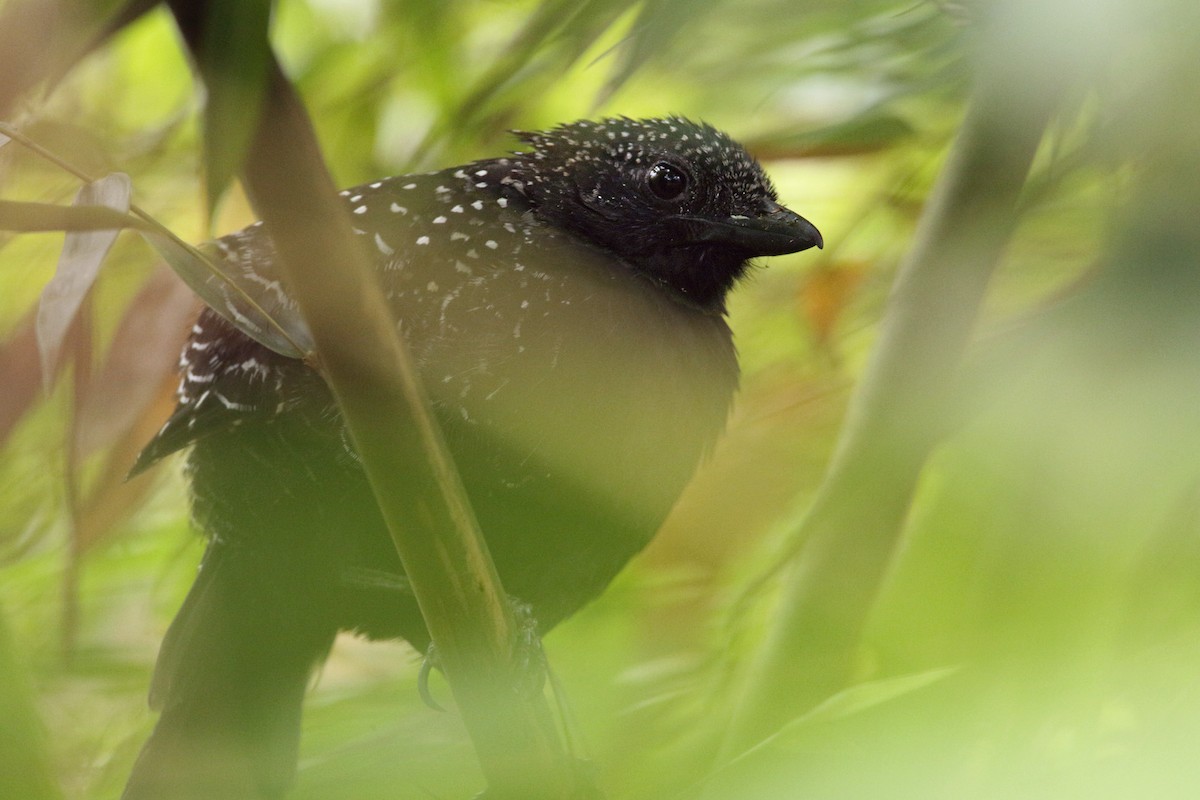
x=230 y=683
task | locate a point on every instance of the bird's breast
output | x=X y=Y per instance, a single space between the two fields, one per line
x=575 y=372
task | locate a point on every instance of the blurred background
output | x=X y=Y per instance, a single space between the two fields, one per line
x=1036 y=629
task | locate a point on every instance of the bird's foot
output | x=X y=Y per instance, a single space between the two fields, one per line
x=430 y=662
x=529 y=659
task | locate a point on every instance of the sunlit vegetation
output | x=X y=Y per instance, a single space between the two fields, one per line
x=981 y=582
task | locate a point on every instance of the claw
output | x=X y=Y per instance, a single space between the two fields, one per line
x=427 y=665
x=530 y=658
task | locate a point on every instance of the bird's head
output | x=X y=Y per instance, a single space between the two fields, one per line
x=680 y=202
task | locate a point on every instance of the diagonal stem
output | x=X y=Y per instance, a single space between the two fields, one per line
x=388 y=414
x=900 y=412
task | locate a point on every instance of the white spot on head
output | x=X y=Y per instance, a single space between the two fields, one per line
x=356 y=198
x=477 y=205
x=422 y=240
x=376 y=184
x=398 y=209
x=431 y=286
x=360 y=210
x=502 y=202
x=491 y=243
x=439 y=220
x=409 y=186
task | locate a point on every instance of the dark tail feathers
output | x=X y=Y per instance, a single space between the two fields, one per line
x=230 y=682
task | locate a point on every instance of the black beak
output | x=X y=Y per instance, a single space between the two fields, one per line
x=774 y=232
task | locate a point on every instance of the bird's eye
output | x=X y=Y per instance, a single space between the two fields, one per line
x=667 y=181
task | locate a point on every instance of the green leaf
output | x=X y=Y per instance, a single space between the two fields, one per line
x=869 y=132
x=25 y=765
x=659 y=24
x=267 y=316
x=554 y=36
x=863 y=696
x=82 y=253
x=233 y=60
x=43 y=217
x=770 y=760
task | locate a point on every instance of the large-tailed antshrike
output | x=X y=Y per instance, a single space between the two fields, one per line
x=565 y=307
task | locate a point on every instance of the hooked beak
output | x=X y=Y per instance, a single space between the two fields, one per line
x=773 y=233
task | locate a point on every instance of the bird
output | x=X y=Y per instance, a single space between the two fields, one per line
x=565 y=305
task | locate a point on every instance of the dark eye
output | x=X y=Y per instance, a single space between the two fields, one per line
x=667 y=181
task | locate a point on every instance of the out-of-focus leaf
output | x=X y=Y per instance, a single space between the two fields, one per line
x=269 y=318
x=865 y=133
x=823 y=297
x=25 y=766
x=658 y=25
x=558 y=30
x=82 y=253
x=113 y=498
x=101 y=31
x=867 y=695
x=234 y=62
x=21 y=369
x=24 y=54
x=432 y=36
x=762 y=764
x=42 y=217
x=41 y=40
x=143 y=354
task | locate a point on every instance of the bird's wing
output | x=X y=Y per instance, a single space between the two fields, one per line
x=227 y=380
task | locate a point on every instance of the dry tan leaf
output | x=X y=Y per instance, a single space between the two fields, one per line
x=144 y=352
x=82 y=254
x=113 y=499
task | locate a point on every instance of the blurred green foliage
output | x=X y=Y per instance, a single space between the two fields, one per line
x=1038 y=631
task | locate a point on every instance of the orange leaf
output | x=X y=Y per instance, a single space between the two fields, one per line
x=825 y=294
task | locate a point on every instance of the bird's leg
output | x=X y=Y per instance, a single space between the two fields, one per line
x=529 y=659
